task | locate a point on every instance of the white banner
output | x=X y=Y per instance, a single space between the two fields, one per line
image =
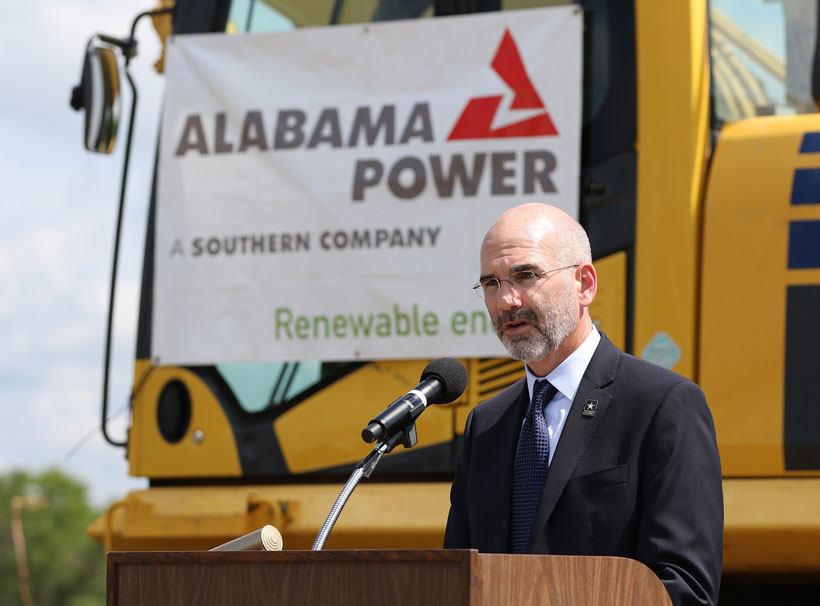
x=323 y=192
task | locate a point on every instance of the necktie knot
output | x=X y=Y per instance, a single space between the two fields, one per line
x=542 y=392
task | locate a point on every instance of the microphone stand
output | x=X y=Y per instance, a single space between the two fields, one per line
x=407 y=437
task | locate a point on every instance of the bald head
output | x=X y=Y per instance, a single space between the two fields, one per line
x=536 y=261
x=538 y=225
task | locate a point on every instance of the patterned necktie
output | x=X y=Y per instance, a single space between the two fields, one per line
x=531 y=463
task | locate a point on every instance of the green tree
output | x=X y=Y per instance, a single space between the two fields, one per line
x=66 y=567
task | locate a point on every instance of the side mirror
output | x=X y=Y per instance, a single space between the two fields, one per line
x=99 y=95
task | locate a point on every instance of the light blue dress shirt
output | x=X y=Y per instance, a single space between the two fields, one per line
x=566 y=378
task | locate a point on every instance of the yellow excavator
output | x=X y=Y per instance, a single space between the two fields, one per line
x=700 y=191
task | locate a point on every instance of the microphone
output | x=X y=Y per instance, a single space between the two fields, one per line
x=442 y=381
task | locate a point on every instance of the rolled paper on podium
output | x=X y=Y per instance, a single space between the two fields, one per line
x=266 y=538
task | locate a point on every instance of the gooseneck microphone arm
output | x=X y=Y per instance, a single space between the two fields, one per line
x=363 y=469
x=443 y=380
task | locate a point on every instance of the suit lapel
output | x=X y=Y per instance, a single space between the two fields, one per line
x=576 y=436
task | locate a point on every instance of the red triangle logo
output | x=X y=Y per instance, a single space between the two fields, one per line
x=477 y=118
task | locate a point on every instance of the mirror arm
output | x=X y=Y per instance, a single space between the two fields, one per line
x=128 y=47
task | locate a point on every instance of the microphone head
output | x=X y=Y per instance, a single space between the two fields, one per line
x=452 y=375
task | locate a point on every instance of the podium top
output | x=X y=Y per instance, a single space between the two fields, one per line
x=357 y=577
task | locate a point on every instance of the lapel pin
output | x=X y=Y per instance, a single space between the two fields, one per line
x=590 y=406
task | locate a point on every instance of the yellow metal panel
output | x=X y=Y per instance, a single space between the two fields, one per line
x=745 y=275
x=377 y=516
x=772 y=526
x=497 y=382
x=488 y=376
x=608 y=311
x=673 y=112
x=325 y=430
x=149 y=455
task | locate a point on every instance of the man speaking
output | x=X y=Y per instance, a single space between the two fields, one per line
x=596 y=452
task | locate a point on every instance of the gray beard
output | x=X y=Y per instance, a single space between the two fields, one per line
x=560 y=320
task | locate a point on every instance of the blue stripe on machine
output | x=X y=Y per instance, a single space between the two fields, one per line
x=810 y=143
x=806 y=186
x=804 y=244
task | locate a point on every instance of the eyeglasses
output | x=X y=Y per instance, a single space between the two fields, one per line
x=517 y=279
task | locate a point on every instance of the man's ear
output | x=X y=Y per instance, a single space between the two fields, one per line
x=588 y=284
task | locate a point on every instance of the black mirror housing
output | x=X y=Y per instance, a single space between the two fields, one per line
x=98 y=93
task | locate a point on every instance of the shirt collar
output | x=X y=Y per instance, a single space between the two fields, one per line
x=566 y=377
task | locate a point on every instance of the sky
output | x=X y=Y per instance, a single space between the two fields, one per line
x=57 y=222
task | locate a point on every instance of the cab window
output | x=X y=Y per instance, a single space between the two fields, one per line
x=762 y=53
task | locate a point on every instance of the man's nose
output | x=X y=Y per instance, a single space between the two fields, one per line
x=508 y=296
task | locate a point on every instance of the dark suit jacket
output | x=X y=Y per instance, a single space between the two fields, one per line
x=640 y=479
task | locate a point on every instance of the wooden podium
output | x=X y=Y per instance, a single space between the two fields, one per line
x=383 y=578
